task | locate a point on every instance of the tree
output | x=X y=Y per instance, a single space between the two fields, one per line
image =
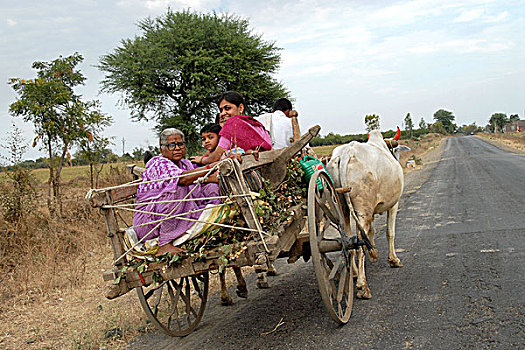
x=175 y=70
x=437 y=127
x=423 y=124
x=59 y=116
x=371 y=122
x=514 y=117
x=18 y=193
x=409 y=126
x=498 y=120
x=95 y=152
x=471 y=128
x=446 y=118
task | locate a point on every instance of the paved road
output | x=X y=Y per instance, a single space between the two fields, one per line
x=461 y=236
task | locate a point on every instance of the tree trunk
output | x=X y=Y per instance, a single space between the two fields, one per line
x=97 y=174
x=50 y=196
x=91 y=178
x=57 y=176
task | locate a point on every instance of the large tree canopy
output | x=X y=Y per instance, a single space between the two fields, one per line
x=446 y=118
x=498 y=121
x=182 y=61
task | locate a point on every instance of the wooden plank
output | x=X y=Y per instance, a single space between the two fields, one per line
x=275 y=161
x=187 y=267
x=276 y=171
x=289 y=233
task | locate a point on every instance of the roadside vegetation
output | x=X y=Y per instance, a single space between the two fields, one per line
x=513 y=141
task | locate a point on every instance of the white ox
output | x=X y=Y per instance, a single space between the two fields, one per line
x=375 y=179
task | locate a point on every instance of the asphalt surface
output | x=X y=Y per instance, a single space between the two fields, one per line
x=461 y=238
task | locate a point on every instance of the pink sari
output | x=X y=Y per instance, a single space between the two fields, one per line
x=244 y=132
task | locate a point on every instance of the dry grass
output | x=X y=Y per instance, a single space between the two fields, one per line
x=52 y=290
x=514 y=141
x=77 y=173
x=323 y=151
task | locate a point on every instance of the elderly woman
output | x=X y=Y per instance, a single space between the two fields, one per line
x=169 y=164
x=238 y=130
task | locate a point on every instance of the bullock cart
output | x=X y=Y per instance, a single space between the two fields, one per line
x=174 y=295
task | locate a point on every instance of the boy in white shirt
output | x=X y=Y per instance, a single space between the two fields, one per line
x=279 y=124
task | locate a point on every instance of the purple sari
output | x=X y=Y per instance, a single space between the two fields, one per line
x=161 y=168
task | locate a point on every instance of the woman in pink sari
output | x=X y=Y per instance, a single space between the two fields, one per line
x=169 y=164
x=238 y=131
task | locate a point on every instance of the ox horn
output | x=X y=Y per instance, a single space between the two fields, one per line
x=398 y=134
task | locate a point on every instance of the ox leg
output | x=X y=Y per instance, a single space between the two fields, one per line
x=348 y=229
x=372 y=253
x=271 y=270
x=355 y=272
x=393 y=260
x=225 y=297
x=261 y=266
x=262 y=281
x=242 y=291
x=363 y=292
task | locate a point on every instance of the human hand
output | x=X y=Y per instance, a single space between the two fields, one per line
x=254 y=153
x=235 y=156
x=196 y=159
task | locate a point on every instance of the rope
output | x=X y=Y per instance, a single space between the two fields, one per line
x=116 y=206
x=200 y=180
x=140 y=182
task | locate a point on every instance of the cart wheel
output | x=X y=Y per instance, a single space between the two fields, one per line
x=176 y=307
x=332 y=269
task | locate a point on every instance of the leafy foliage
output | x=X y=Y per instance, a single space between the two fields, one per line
x=423 y=124
x=173 y=72
x=273 y=205
x=514 y=117
x=498 y=121
x=446 y=119
x=409 y=125
x=95 y=152
x=372 y=122
x=18 y=193
x=59 y=116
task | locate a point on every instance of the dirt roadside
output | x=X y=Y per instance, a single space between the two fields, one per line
x=513 y=142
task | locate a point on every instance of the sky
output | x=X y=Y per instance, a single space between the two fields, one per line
x=341 y=60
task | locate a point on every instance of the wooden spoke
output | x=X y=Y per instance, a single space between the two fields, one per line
x=172 y=308
x=326 y=222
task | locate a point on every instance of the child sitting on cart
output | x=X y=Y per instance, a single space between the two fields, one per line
x=210 y=140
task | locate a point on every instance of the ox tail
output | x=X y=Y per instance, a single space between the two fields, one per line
x=364 y=236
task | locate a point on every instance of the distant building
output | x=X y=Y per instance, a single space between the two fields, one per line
x=517 y=125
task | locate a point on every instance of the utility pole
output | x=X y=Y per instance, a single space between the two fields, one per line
x=123 y=144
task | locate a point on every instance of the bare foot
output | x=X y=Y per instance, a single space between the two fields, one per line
x=170 y=248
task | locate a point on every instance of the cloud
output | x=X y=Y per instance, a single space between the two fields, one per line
x=160 y=6
x=468 y=16
x=11 y=22
x=499 y=18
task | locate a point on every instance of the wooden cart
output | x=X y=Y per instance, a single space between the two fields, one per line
x=176 y=303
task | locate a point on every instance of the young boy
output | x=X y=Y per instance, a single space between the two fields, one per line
x=210 y=140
